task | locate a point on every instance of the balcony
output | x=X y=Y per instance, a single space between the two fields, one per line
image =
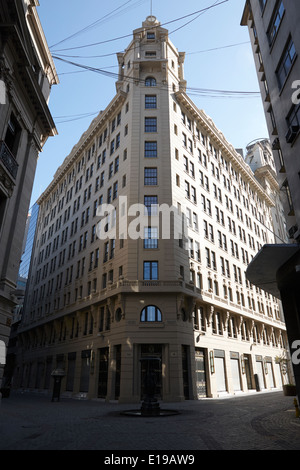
x=8 y=160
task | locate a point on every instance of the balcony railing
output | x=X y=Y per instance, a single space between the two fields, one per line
x=8 y=160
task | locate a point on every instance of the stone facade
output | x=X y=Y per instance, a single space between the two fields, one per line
x=260 y=158
x=99 y=307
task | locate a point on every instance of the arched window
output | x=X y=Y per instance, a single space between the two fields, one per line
x=150 y=81
x=151 y=313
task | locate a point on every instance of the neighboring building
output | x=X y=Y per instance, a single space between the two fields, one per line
x=27 y=73
x=275 y=37
x=96 y=306
x=260 y=158
x=29 y=241
x=20 y=295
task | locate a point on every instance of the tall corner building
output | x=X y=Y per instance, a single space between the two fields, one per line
x=107 y=293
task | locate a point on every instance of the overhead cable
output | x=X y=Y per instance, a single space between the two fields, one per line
x=155 y=26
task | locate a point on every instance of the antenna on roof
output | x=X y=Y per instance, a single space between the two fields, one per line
x=150 y=7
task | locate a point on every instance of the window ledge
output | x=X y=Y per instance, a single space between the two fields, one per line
x=150 y=324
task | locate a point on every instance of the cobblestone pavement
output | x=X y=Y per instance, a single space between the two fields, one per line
x=260 y=421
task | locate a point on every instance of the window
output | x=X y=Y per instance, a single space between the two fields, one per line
x=111 y=170
x=193 y=192
x=197 y=251
x=119 y=119
x=195 y=221
x=150 y=203
x=112 y=248
x=150 y=270
x=187 y=189
x=189 y=217
x=109 y=195
x=186 y=164
x=150 y=149
x=286 y=63
x=12 y=137
x=115 y=190
x=150 y=124
x=106 y=248
x=150 y=176
x=117 y=164
x=151 y=313
x=150 y=35
x=150 y=237
x=112 y=147
x=150 y=102
x=210 y=259
x=275 y=22
x=150 y=81
x=293 y=122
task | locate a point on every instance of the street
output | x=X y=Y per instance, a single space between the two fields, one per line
x=260 y=421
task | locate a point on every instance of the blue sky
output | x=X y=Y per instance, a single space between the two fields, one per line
x=241 y=120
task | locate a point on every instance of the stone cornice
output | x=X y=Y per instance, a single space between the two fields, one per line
x=41 y=42
x=267 y=173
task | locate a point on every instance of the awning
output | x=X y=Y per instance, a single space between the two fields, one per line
x=263 y=268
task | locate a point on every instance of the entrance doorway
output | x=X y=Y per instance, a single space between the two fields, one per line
x=271 y=381
x=155 y=351
x=248 y=371
x=260 y=373
x=200 y=373
x=235 y=371
x=118 y=371
x=219 y=361
x=103 y=372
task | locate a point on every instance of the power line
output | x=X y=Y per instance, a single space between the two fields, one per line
x=114 y=53
x=218 y=48
x=97 y=22
x=75 y=117
x=191 y=21
x=133 y=46
x=193 y=91
x=162 y=86
x=155 y=26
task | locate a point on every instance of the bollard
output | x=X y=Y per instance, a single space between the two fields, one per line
x=297 y=408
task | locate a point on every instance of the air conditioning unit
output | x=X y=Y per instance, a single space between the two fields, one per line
x=291 y=134
x=292 y=231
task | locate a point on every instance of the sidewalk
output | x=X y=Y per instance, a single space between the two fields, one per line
x=263 y=421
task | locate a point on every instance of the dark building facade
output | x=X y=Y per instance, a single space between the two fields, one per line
x=27 y=73
x=275 y=37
